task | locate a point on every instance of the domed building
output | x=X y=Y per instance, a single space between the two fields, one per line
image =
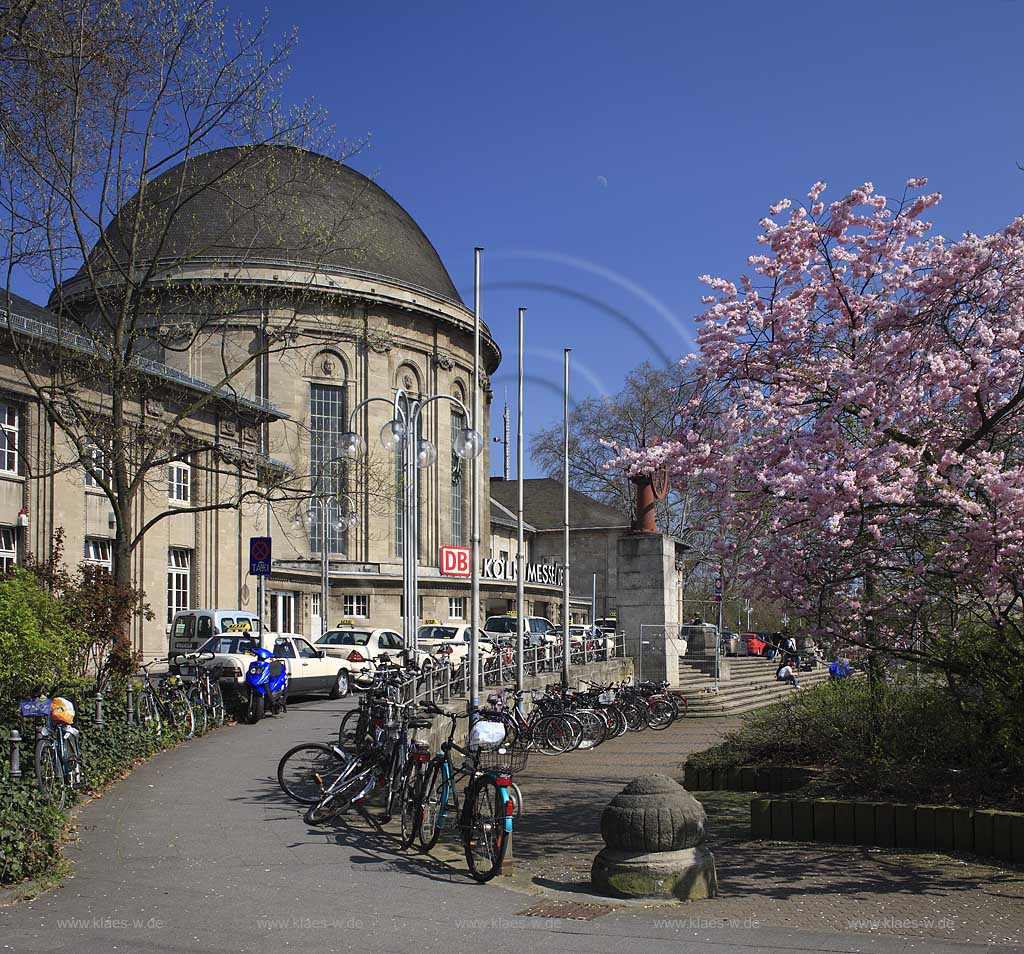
x=294 y=290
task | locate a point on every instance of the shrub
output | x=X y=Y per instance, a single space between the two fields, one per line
x=38 y=643
x=883 y=739
x=31 y=831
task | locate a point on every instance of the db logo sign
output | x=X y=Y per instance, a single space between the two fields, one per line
x=454 y=561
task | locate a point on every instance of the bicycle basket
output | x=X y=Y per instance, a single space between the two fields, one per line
x=507 y=757
x=35 y=708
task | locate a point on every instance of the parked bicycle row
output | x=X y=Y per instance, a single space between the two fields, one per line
x=382 y=766
x=382 y=763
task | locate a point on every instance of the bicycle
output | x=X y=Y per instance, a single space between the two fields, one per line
x=203 y=692
x=489 y=804
x=57 y=755
x=164 y=702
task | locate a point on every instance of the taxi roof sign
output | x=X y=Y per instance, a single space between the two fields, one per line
x=342 y=623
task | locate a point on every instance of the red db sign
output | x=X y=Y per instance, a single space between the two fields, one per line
x=454 y=561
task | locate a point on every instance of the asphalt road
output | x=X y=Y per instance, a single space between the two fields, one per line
x=198 y=851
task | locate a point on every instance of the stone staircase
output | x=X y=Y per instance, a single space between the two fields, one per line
x=747 y=683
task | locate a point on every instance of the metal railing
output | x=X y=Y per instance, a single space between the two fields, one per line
x=443 y=682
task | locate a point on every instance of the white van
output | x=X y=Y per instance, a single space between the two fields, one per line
x=191 y=628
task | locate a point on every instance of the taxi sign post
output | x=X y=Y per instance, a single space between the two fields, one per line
x=260 y=561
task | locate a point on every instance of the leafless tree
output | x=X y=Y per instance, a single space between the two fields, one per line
x=107 y=108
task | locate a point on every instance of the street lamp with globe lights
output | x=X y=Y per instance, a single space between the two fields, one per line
x=400 y=435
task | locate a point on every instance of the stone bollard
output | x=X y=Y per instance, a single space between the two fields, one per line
x=130 y=707
x=653 y=832
x=15 y=753
x=99 y=708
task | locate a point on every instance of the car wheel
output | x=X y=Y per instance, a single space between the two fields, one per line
x=342 y=686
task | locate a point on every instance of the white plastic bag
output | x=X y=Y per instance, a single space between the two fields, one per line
x=486 y=734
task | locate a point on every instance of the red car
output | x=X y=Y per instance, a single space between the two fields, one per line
x=755 y=645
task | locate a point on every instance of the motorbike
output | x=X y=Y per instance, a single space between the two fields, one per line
x=267 y=679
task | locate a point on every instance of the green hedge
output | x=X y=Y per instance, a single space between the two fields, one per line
x=32 y=832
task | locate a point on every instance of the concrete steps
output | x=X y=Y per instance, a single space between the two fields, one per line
x=751 y=684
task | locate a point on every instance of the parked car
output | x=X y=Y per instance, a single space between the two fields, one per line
x=453 y=642
x=191 y=628
x=365 y=648
x=598 y=641
x=755 y=645
x=539 y=631
x=309 y=669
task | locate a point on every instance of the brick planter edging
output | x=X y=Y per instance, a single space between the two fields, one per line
x=986 y=832
x=745 y=778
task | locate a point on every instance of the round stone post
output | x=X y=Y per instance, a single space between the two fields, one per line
x=14 y=757
x=653 y=832
x=131 y=702
x=99 y=708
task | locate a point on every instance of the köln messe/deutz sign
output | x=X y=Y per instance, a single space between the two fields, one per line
x=551 y=573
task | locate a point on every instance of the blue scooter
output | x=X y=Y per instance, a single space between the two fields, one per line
x=267 y=679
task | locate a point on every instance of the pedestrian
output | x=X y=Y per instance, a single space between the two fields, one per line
x=838 y=670
x=791 y=653
x=786 y=673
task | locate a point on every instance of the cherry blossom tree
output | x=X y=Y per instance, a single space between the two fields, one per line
x=858 y=421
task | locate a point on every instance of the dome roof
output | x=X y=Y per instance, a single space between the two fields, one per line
x=278 y=203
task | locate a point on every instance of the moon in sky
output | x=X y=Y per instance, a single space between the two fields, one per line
x=602 y=181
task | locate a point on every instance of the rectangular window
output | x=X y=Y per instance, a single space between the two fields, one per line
x=179 y=482
x=314 y=604
x=407 y=406
x=458 y=528
x=456 y=607
x=326 y=424
x=97 y=459
x=179 y=580
x=8 y=549
x=357 y=604
x=99 y=552
x=9 y=427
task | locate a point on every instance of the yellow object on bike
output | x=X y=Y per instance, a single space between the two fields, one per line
x=61 y=710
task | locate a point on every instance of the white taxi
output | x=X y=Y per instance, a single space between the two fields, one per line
x=310 y=669
x=368 y=647
x=453 y=641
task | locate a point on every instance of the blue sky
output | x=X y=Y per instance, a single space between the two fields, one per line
x=607 y=154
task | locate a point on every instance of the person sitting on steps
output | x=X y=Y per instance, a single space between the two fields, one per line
x=786 y=673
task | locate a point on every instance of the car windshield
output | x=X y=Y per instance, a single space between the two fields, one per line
x=344 y=637
x=438 y=632
x=229 y=643
x=501 y=624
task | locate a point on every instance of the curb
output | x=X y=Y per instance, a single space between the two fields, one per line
x=933 y=828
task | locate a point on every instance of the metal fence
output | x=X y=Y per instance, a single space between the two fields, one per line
x=443 y=681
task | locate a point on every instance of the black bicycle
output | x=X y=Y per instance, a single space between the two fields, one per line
x=202 y=689
x=164 y=703
x=58 y=755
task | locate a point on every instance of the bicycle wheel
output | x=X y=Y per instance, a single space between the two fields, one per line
x=341 y=797
x=483 y=829
x=661 y=714
x=437 y=805
x=553 y=735
x=409 y=801
x=147 y=712
x=348 y=730
x=305 y=770
x=216 y=703
x=200 y=715
x=182 y=716
x=636 y=716
x=594 y=729
x=50 y=773
x=616 y=721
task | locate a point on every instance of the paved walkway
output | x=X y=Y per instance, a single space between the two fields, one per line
x=198 y=852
